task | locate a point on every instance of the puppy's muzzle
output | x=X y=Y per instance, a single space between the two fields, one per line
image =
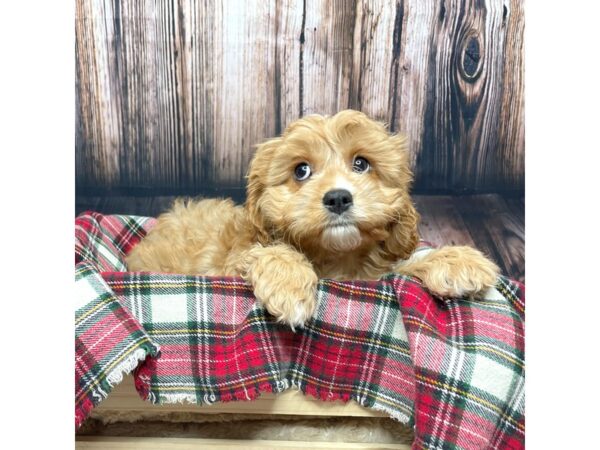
x=337 y=200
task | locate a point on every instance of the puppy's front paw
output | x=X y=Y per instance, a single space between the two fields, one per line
x=289 y=300
x=456 y=271
x=284 y=282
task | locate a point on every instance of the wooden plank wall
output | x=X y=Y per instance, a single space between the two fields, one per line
x=171 y=95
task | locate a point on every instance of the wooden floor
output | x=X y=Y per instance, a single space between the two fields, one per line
x=490 y=222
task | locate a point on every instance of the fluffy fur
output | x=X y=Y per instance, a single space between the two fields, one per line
x=158 y=423
x=284 y=238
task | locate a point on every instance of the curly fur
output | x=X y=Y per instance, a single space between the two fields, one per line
x=283 y=239
x=158 y=423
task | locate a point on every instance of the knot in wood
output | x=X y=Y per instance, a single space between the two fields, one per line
x=471 y=58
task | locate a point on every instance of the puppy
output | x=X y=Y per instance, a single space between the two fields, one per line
x=327 y=199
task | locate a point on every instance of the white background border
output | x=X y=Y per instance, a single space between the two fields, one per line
x=562 y=189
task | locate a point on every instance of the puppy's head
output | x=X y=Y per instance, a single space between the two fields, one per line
x=337 y=183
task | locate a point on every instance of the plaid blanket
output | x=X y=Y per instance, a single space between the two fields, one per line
x=454 y=369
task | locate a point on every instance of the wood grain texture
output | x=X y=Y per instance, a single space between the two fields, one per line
x=375 y=54
x=327 y=56
x=510 y=157
x=172 y=95
x=441 y=223
x=461 y=73
x=173 y=443
x=500 y=233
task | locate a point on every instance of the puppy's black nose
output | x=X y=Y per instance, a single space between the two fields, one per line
x=337 y=200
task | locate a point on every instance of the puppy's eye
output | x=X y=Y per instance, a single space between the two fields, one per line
x=302 y=172
x=360 y=165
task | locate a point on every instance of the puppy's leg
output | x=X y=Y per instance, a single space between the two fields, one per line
x=283 y=280
x=452 y=271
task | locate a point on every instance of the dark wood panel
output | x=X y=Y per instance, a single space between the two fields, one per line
x=172 y=95
x=510 y=152
x=497 y=229
x=441 y=223
x=464 y=78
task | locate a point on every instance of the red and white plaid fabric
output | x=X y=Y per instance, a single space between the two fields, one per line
x=454 y=368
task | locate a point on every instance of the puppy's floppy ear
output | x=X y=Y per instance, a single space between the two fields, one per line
x=403 y=232
x=259 y=167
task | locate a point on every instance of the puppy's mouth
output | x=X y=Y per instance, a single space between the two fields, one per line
x=341 y=235
x=340 y=224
